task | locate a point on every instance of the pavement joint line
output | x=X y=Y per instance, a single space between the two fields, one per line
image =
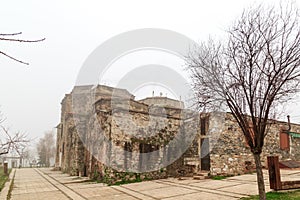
x=78 y=196
x=229 y=186
x=138 y=192
x=247 y=182
x=240 y=181
x=52 y=184
x=125 y=193
x=164 y=186
x=74 y=182
x=63 y=184
x=194 y=192
x=235 y=193
x=201 y=189
x=87 y=187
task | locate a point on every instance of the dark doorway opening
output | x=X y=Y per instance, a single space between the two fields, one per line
x=205 y=154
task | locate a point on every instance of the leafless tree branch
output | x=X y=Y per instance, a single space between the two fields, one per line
x=10 y=34
x=20 y=40
x=3 y=37
x=13 y=58
x=11 y=141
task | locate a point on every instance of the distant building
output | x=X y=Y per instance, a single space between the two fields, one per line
x=14 y=160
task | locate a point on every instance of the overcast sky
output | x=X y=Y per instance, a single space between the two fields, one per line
x=31 y=95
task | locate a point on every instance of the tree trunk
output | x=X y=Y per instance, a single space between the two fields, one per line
x=260 y=177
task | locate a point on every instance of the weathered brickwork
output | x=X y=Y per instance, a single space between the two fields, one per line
x=107 y=125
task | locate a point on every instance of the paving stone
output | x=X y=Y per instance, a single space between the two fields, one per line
x=53 y=195
x=97 y=191
x=167 y=192
x=40 y=184
x=114 y=197
x=215 y=184
x=149 y=185
x=200 y=196
x=244 y=189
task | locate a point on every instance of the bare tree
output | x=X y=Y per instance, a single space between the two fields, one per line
x=17 y=141
x=253 y=71
x=46 y=148
x=11 y=141
x=9 y=37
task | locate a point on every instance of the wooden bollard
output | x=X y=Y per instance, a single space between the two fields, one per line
x=274 y=173
x=5 y=168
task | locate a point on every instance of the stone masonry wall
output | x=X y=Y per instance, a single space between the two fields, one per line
x=106 y=117
x=111 y=117
x=230 y=154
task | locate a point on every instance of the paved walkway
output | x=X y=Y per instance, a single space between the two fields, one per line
x=35 y=184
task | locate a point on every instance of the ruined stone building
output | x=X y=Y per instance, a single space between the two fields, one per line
x=105 y=133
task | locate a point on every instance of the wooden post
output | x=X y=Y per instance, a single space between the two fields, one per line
x=5 y=168
x=274 y=173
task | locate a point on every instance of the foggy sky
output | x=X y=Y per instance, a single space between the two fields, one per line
x=31 y=95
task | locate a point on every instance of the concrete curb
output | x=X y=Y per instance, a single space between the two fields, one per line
x=5 y=191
